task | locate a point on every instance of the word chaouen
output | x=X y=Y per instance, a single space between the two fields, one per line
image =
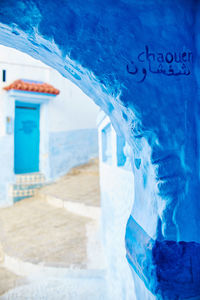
x=168 y=57
x=168 y=64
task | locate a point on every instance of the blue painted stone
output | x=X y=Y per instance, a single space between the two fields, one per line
x=169 y=269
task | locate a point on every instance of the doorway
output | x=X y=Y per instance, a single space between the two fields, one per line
x=27 y=138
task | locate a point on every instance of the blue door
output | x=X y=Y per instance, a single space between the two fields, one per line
x=27 y=138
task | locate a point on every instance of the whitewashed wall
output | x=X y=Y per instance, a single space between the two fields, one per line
x=117 y=196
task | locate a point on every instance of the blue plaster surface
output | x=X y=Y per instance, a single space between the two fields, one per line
x=169 y=269
x=71 y=148
x=141 y=65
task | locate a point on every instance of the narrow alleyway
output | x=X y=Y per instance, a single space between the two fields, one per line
x=54 y=232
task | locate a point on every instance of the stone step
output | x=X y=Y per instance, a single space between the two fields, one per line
x=60 y=288
x=26 y=185
x=30 y=178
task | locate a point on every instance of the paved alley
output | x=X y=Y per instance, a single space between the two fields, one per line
x=40 y=234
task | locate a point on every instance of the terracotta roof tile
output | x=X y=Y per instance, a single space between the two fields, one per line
x=32 y=86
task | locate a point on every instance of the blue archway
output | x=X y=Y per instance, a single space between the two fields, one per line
x=138 y=60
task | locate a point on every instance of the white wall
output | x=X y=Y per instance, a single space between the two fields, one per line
x=75 y=109
x=117 y=196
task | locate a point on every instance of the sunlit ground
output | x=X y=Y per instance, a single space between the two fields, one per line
x=56 y=231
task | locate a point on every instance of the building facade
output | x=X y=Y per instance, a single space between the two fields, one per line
x=43 y=133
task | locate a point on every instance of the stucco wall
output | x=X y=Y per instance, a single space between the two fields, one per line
x=71 y=148
x=117 y=197
x=71 y=109
x=6 y=169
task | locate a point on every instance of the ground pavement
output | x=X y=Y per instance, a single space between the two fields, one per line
x=55 y=237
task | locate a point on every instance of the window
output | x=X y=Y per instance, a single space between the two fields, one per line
x=121 y=158
x=4 y=75
x=107 y=144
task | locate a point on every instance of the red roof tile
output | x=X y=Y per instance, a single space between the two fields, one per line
x=32 y=86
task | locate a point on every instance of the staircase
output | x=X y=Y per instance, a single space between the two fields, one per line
x=26 y=185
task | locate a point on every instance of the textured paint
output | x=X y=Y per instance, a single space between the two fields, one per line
x=169 y=269
x=141 y=65
x=71 y=148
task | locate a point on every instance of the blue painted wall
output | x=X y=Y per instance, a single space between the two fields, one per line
x=71 y=148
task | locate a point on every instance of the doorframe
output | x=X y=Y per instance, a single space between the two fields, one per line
x=43 y=100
